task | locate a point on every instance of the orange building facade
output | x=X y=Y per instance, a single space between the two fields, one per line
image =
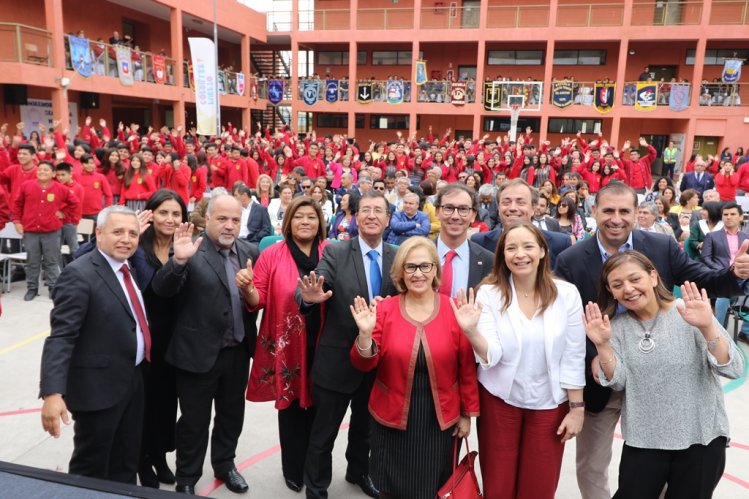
x=368 y=42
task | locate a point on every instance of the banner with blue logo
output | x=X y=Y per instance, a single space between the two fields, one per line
x=275 y=91
x=331 y=91
x=394 y=91
x=732 y=70
x=562 y=94
x=646 y=96
x=310 y=91
x=604 y=97
x=80 y=56
x=679 y=97
x=421 y=72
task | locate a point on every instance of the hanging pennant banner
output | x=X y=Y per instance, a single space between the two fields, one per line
x=646 y=96
x=310 y=91
x=331 y=91
x=80 y=56
x=275 y=91
x=562 y=94
x=679 y=98
x=240 y=83
x=159 y=68
x=604 y=97
x=394 y=91
x=253 y=88
x=492 y=96
x=421 y=72
x=203 y=55
x=364 y=92
x=458 y=93
x=124 y=65
x=732 y=70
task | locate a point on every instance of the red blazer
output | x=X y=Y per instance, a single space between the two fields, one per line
x=450 y=360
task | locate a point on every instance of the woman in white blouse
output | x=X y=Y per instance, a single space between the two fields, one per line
x=530 y=343
x=278 y=206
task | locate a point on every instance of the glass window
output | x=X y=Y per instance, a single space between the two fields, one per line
x=592 y=57
x=565 y=57
x=499 y=124
x=331 y=120
x=564 y=125
x=380 y=58
x=361 y=57
x=529 y=57
x=389 y=121
x=330 y=58
x=501 y=57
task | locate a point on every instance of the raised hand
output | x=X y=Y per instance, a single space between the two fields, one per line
x=466 y=310
x=597 y=326
x=741 y=263
x=311 y=288
x=245 y=276
x=144 y=219
x=184 y=247
x=696 y=310
x=365 y=316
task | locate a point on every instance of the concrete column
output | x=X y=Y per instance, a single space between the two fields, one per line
x=412 y=122
x=621 y=69
x=294 y=67
x=546 y=91
x=54 y=24
x=247 y=71
x=478 y=106
x=699 y=68
x=353 y=47
x=178 y=54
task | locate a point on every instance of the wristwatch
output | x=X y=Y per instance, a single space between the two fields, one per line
x=575 y=405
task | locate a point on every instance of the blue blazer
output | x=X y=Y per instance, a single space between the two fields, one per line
x=689 y=181
x=715 y=253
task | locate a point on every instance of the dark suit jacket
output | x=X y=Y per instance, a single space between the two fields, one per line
x=342 y=267
x=480 y=263
x=89 y=357
x=715 y=253
x=557 y=242
x=552 y=225
x=203 y=305
x=581 y=265
x=689 y=181
x=258 y=223
x=489 y=214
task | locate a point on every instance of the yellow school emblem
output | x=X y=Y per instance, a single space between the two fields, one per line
x=96 y=185
x=194 y=178
x=140 y=180
x=50 y=197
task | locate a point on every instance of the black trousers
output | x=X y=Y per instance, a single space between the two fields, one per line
x=106 y=443
x=160 y=417
x=224 y=385
x=294 y=429
x=692 y=473
x=331 y=409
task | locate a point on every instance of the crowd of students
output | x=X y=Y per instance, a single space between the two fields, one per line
x=523 y=200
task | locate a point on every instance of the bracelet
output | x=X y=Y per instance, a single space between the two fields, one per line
x=713 y=343
x=363 y=350
x=575 y=405
x=603 y=363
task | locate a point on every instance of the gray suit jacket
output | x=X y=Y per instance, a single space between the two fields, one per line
x=715 y=252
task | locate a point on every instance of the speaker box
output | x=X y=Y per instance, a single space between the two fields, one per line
x=15 y=94
x=89 y=100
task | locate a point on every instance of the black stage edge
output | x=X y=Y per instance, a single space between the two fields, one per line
x=17 y=481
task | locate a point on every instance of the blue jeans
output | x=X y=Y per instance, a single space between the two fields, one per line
x=721 y=313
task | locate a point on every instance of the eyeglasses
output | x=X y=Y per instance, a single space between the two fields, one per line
x=306 y=186
x=463 y=211
x=368 y=211
x=425 y=267
x=379 y=188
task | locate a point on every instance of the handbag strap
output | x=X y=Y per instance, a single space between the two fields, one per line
x=455 y=450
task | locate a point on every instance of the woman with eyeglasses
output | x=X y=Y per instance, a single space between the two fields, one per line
x=425 y=390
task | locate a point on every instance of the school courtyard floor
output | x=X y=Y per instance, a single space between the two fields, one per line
x=24 y=325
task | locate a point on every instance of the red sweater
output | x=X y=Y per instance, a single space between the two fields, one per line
x=726 y=186
x=13 y=177
x=198 y=182
x=77 y=190
x=140 y=189
x=313 y=168
x=36 y=206
x=176 y=180
x=95 y=186
x=450 y=361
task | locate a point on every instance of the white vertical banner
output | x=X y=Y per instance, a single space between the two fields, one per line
x=39 y=112
x=203 y=55
x=124 y=65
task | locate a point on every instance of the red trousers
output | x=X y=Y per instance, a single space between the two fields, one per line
x=520 y=451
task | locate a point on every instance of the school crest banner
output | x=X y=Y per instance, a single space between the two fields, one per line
x=80 y=56
x=458 y=93
x=124 y=65
x=732 y=70
x=203 y=55
x=240 y=83
x=310 y=90
x=275 y=91
x=253 y=88
x=364 y=92
x=159 y=69
x=646 y=96
x=394 y=91
x=679 y=98
x=562 y=94
x=604 y=97
x=331 y=91
x=492 y=96
x=421 y=73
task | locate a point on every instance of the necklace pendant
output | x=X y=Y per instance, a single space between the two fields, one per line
x=646 y=345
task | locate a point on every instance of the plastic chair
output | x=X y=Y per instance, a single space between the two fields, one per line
x=267 y=241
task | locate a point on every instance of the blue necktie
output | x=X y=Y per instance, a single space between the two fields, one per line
x=375 y=275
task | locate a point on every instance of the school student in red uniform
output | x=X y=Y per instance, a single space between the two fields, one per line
x=216 y=164
x=97 y=192
x=235 y=168
x=198 y=178
x=15 y=175
x=138 y=185
x=64 y=175
x=38 y=214
x=113 y=169
x=175 y=175
x=312 y=164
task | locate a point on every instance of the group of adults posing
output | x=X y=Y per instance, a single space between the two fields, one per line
x=395 y=333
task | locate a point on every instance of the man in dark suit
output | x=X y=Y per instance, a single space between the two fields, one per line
x=699 y=179
x=464 y=263
x=213 y=340
x=91 y=362
x=614 y=212
x=255 y=218
x=487 y=211
x=719 y=251
x=541 y=218
x=516 y=200
x=358 y=267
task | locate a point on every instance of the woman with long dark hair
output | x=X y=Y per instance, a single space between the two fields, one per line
x=113 y=168
x=137 y=185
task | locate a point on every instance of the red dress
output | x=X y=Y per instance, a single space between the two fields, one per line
x=279 y=368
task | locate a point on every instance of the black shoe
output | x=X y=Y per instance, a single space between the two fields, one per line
x=295 y=486
x=18 y=275
x=742 y=337
x=30 y=295
x=147 y=477
x=234 y=481
x=365 y=484
x=185 y=489
x=163 y=472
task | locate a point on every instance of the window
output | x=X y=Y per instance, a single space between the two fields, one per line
x=516 y=57
x=579 y=57
x=716 y=57
x=392 y=58
x=390 y=121
x=562 y=125
x=502 y=124
x=337 y=120
x=340 y=58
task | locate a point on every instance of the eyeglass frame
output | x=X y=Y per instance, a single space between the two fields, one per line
x=374 y=210
x=463 y=211
x=414 y=267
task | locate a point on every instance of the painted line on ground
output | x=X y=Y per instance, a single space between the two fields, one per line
x=20 y=411
x=21 y=343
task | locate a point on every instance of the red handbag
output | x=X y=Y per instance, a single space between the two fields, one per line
x=463 y=483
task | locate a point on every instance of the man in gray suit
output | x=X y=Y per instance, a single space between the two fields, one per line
x=464 y=263
x=358 y=267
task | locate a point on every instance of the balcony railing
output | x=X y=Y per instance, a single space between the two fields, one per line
x=729 y=12
x=262 y=88
x=518 y=16
x=450 y=17
x=663 y=95
x=278 y=20
x=324 y=19
x=441 y=91
x=589 y=15
x=342 y=90
x=666 y=13
x=582 y=92
x=723 y=94
x=25 y=44
x=391 y=18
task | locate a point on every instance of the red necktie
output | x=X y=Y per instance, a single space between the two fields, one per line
x=446 y=287
x=139 y=315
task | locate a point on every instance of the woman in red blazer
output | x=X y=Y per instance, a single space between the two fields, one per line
x=425 y=391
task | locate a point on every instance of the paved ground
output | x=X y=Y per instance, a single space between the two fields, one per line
x=23 y=327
